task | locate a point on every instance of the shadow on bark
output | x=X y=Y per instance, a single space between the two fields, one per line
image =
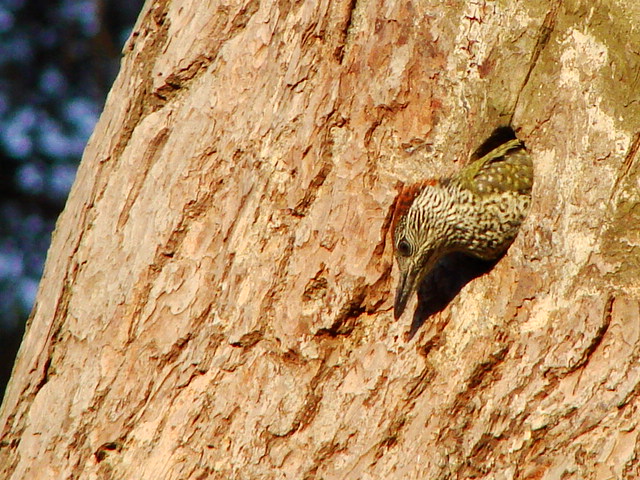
x=443 y=283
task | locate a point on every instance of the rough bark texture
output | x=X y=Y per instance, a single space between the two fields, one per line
x=217 y=298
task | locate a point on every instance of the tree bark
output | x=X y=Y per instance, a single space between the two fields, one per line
x=217 y=298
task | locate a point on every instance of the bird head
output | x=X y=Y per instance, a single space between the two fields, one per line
x=417 y=238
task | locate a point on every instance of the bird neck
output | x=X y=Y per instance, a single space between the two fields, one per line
x=483 y=225
x=452 y=218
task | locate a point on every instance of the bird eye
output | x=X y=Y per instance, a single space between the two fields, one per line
x=404 y=248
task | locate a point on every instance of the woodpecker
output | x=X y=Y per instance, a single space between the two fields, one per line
x=478 y=211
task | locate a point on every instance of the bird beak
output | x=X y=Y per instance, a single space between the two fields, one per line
x=406 y=285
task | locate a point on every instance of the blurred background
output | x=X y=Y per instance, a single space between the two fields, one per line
x=58 y=59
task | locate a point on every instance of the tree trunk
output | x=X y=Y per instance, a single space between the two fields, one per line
x=217 y=298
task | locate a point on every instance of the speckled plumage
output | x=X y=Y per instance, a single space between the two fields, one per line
x=478 y=211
